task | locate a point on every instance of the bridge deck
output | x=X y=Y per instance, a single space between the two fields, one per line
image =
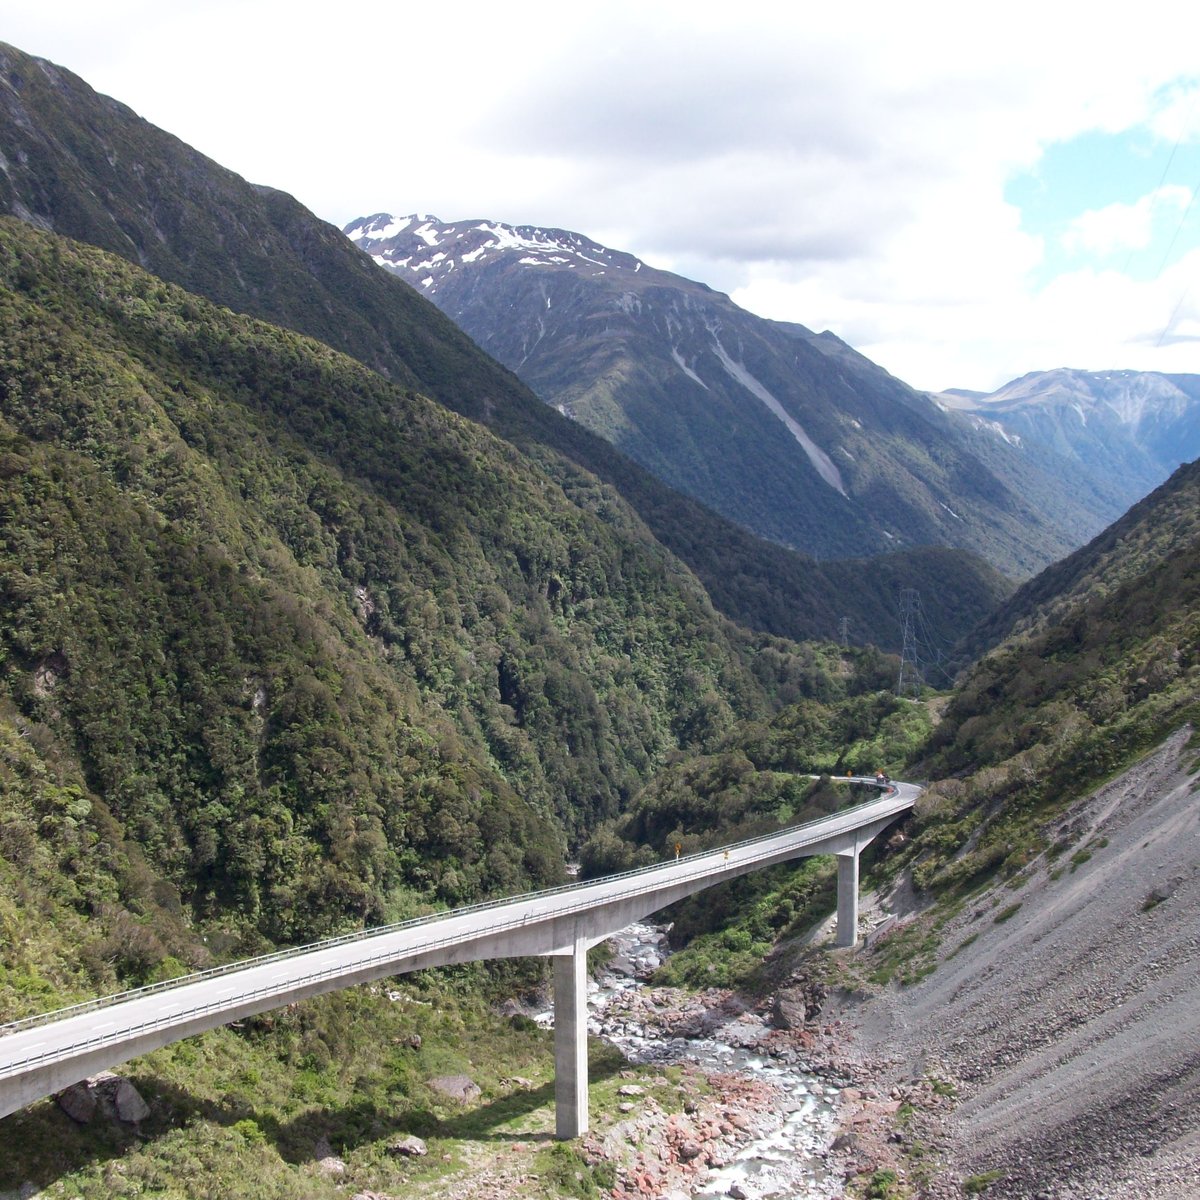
x=41 y=1055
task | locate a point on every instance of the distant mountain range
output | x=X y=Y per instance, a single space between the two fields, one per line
x=791 y=433
x=1135 y=427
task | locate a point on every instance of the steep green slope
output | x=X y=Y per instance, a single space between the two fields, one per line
x=87 y=167
x=321 y=645
x=1107 y=664
x=1151 y=530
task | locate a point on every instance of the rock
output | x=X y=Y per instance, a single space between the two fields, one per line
x=689 y=1150
x=78 y=1102
x=631 y=1089
x=131 y=1108
x=793 y=1006
x=409 y=1146
x=118 y=1097
x=738 y=1192
x=331 y=1165
x=456 y=1087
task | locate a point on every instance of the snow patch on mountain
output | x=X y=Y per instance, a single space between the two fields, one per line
x=394 y=242
x=822 y=463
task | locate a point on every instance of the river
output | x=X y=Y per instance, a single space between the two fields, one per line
x=786 y=1162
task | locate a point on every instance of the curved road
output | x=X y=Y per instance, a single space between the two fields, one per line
x=44 y=1054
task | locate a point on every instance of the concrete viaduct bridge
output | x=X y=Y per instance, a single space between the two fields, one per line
x=44 y=1054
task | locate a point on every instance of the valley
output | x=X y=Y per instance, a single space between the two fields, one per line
x=318 y=621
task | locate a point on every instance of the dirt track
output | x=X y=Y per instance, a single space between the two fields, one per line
x=1071 y=1027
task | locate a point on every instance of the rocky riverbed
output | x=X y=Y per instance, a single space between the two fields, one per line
x=774 y=1109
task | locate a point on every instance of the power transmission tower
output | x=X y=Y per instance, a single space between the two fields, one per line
x=910 y=669
x=844 y=630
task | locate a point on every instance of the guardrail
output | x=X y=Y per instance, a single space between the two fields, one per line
x=830 y=826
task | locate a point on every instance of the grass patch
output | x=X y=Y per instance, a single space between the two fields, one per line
x=978 y=1184
x=565 y=1172
x=967 y=941
x=884 y=1184
x=1006 y=914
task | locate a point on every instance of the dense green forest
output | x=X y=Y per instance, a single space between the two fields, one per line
x=287 y=649
x=324 y=649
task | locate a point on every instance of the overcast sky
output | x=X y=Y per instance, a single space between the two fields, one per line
x=962 y=197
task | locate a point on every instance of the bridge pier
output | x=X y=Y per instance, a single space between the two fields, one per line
x=570 y=1043
x=847 y=898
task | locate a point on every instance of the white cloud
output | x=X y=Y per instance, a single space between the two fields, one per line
x=839 y=166
x=1115 y=227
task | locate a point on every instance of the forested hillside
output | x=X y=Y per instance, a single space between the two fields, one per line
x=322 y=648
x=85 y=166
x=1105 y=666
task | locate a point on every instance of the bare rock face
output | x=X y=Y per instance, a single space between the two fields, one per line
x=128 y=1102
x=794 y=1006
x=456 y=1087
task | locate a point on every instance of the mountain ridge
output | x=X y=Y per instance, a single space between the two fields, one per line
x=1135 y=427
x=790 y=433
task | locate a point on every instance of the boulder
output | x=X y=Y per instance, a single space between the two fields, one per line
x=409 y=1146
x=793 y=1006
x=115 y=1096
x=456 y=1087
x=78 y=1102
x=130 y=1106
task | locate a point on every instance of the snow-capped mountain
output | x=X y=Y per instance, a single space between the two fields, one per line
x=789 y=432
x=427 y=249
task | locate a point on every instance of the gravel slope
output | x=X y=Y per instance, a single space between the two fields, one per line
x=1071 y=1028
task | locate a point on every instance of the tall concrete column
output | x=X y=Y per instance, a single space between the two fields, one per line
x=570 y=1043
x=847 y=912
